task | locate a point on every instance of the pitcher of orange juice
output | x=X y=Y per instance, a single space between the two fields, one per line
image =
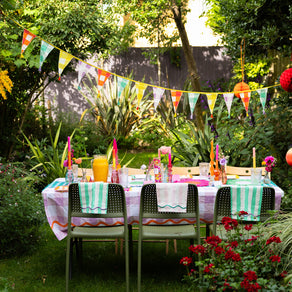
x=99 y=168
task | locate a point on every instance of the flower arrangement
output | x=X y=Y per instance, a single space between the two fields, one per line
x=247 y=260
x=270 y=162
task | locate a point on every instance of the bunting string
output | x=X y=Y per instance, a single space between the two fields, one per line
x=65 y=58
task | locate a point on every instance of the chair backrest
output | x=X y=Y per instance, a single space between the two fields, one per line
x=149 y=207
x=186 y=170
x=116 y=203
x=242 y=171
x=223 y=203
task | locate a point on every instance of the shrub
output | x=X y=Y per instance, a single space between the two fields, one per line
x=21 y=210
x=247 y=260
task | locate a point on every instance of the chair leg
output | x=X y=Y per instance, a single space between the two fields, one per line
x=139 y=261
x=166 y=246
x=127 y=265
x=175 y=245
x=68 y=262
x=116 y=246
x=121 y=246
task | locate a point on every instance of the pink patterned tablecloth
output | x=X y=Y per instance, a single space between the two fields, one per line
x=56 y=208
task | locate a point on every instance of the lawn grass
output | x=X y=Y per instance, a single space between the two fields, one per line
x=102 y=270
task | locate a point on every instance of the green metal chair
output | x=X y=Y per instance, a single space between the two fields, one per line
x=116 y=208
x=149 y=209
x=222 y=207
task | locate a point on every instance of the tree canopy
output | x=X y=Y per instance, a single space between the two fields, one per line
x=265 y=25
x=80 y=28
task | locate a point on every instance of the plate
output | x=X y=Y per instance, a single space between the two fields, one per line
x=62 y=189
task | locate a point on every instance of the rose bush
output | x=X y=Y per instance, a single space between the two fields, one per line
x=248 y=260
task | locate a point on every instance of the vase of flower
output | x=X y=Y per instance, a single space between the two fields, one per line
x=223 y=162
x=269 y=162
x=69 y=177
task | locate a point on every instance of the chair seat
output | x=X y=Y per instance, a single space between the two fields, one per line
x=169 y=232
x=99 y=232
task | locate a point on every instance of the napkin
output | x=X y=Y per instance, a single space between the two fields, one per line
x=247 y=199
x=172 y=197
x=93 y=197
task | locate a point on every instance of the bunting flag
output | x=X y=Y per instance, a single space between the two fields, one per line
x=102 y=77
x=175 y=96
x=26 y=40
x=263 y=97
x=211 y=97
x=157 y=93
x=45 y=50
x=83 y=68
x=122 y=82
x=140 y=88
x=228 y=97
x=193 y=98
x=64 y=60
x=245 y=96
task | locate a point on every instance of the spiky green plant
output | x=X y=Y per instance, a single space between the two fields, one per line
x=192 y=147
x=116 y=116
x=50 y=161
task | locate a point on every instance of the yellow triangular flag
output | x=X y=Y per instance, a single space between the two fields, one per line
x=64 y=60
x=140 y=88
x=211 y=97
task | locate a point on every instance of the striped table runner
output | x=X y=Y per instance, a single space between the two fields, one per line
x=247 y=199
x=93 y=197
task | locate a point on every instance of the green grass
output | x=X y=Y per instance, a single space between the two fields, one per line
x=139 y=158
x=102 y=270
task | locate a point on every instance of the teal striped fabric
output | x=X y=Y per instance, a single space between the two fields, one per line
x=247 y=199
x=93 y=197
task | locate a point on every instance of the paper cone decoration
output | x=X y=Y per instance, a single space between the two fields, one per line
x=245 y=99
x=122 y=83
x=263 y=97
x=26 y=40
x=175 y=96
x=211 y=97
x=140 y=88
x=193 y=98
x=45 y=50
x=64 y=60
x=157 y=93
x=83 y=68
x=102 y=77
x=228 y=97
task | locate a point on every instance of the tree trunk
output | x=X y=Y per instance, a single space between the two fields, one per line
x=192 y=67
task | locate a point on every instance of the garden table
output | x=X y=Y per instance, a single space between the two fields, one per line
x=56 y=207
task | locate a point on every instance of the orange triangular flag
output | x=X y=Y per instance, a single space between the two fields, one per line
x=175 y=97
x=26 y=39
x=102 y=77
x=245 y=99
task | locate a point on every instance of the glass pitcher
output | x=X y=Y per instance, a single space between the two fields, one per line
x=99 y=166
